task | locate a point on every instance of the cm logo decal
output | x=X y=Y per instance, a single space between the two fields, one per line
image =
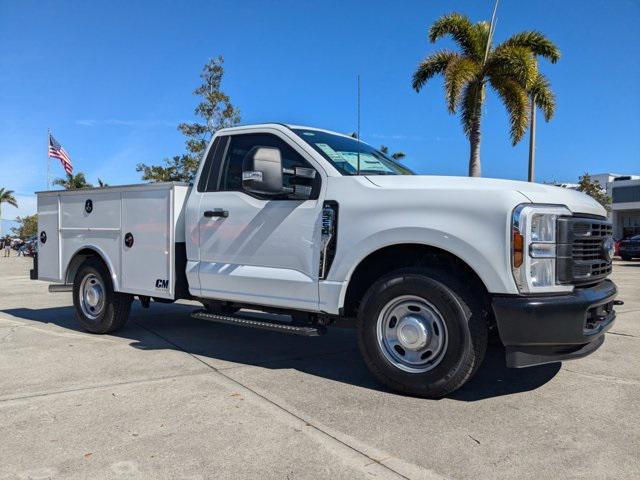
x=162 y=284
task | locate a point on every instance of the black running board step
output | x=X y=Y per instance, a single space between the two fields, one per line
x=304 y=330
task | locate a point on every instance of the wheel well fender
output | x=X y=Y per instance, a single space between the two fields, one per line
x=393 y=257
x=81 y=255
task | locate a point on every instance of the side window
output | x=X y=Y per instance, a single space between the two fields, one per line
x=208 y=181
x=240 y=145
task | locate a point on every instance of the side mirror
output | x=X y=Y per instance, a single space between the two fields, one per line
x=262 y=171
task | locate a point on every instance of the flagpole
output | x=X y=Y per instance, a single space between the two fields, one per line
x=48 y=160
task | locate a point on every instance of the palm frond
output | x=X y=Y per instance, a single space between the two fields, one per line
x=516 y=101
x=543 y=96
x=516 y=63
x=461 y=30
x=482 y=30
x=459 y=72
x=6 y=196
x=537 y=43
x=431 y=66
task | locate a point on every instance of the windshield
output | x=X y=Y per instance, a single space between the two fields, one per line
x=345 y=153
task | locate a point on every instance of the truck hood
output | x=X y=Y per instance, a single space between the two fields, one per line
x=577 y=202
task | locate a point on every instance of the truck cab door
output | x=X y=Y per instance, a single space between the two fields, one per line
x=255 y=249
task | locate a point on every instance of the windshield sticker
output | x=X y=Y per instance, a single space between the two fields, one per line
x=367 y=161
x=331 y=153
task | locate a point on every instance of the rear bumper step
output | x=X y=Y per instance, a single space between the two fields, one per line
x=304 y=330
x=60 y=287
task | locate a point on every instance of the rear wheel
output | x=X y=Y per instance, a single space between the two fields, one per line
x=422 y=332
x=98 y=308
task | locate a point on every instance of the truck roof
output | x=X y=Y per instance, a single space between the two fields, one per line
x=278 y=126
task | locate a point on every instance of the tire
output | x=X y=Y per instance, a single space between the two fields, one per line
x=453 y=319
x=219 y=308
x=102 y=310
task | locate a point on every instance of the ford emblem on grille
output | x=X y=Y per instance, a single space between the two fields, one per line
x=608 y=248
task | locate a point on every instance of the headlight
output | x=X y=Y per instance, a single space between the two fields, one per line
x=533 y=248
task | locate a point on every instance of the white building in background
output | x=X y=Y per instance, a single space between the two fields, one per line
x=624 y=191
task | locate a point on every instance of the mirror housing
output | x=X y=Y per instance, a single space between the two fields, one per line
x=262 y=171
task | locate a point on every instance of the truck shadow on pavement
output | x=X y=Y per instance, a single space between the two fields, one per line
x=334 y=356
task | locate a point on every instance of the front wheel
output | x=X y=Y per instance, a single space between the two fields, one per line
x=422 y=332
x=98 y=308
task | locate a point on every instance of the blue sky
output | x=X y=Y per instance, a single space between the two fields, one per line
x=113 y=79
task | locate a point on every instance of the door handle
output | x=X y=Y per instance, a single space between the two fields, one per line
x=216 y=212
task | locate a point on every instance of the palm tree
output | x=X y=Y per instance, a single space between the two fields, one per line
x=102 y=184
x=510 y=68
x=396 y=156
x=73 y=182
x=542 y=97
x=6 y=196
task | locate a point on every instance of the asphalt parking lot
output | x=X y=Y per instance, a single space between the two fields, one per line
x=173 y=397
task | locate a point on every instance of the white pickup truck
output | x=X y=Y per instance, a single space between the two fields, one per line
x=320 y=226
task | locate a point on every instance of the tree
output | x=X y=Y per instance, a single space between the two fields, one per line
x=396 y=156
x=594 y=190
x=27 y=226
x=73 y=182
x=216 y=111
x=102 y=184
x=6 y=196
x=510 y=69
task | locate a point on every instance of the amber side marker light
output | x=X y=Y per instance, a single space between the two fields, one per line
x=517 y=243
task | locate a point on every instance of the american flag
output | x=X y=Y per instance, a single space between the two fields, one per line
x=56 y=151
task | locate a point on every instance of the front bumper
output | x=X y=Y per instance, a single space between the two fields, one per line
x=545 y=329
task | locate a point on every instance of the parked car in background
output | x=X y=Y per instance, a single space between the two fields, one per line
x=630 y=248
x=32 y=246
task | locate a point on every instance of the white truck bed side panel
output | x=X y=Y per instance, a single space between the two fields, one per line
x=151 y=212
x=148 y=266
x=104 y=212
x=49 y=253
x=95 y=226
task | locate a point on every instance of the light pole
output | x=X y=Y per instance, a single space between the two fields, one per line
x=532 y=139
